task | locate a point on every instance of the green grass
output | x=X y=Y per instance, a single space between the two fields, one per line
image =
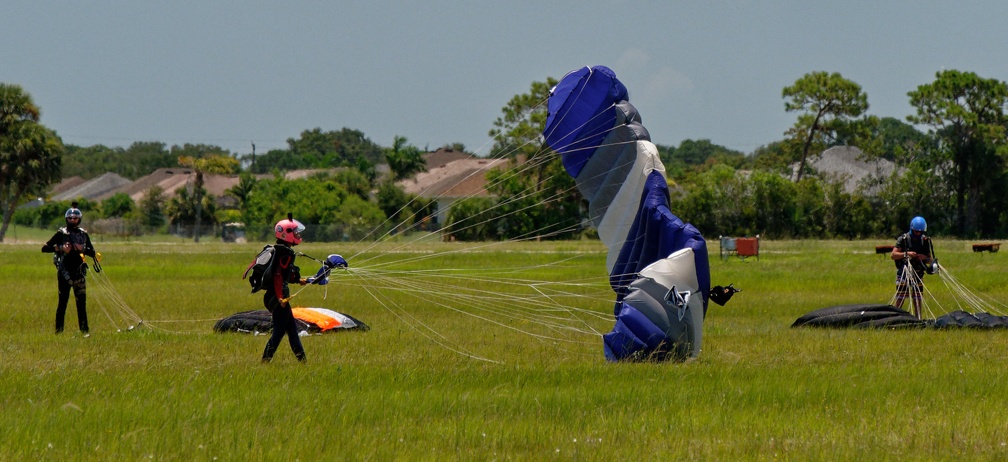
x=760 y=389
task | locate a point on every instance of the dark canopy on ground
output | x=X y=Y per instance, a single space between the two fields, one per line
x=888 y=316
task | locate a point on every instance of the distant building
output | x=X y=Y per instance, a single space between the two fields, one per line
x=450 y=177
x=847 y=164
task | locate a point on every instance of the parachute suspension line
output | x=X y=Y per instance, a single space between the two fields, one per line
x=559 y=305
x=965 y=299
x=925 y=305
x=532 y=234
x=542 y=306
x=439 y=288
x=483 y=171
x=484 y=303
x=605 y=130
x=427 y=332
x=109 y=299
x=405 y=219
x=955 y=289
x=563 y=116
x=914 y=290
x=970 y=297
x=535 y=162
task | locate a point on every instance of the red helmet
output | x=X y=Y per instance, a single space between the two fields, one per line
x=289 y=230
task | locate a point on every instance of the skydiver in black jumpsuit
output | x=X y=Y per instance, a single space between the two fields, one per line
x=70 y=245
x=288 y=233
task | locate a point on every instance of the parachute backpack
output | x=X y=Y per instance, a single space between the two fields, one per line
x=260 y=268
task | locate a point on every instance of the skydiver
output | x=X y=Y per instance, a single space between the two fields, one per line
x=914 y=256
x=277 y=294
x=69 y=245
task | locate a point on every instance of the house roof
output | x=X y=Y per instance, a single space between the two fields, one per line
x=847 y=163
x=93 y=188
x=66 y=184
x=452 y=174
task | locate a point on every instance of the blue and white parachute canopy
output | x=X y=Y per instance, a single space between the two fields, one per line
x=657 y=263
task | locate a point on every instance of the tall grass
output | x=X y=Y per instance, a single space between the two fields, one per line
x=760 y=389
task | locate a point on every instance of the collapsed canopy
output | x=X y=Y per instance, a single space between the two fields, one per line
x=659 y=312
x=878 y=316
x=309 y=320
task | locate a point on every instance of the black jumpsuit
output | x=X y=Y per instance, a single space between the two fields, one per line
x=284 y=271
x=71 y=271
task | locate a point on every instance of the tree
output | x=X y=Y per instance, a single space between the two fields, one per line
x=536 y=197
x=30 y=154
x=318 y=149
x=152 y=207
x=215 y=163
x=901 y=142
x=524 y=119
x=117 y=206
x=16 y=106
x=966 y=114
x=140 y=159
x=693 y=154
x=243 y=190
x=829 y=102
x=404 y=160
x=405 y=211
x=183 y=208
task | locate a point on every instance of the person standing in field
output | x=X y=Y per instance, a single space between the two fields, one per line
x=914 y=256
x=70 y=245
x=277 y=296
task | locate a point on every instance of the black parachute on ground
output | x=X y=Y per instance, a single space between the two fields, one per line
x=888 y=316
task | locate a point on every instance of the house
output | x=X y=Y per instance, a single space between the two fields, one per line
x=847 y=164
x=450 y=177
x=169 y=179
x=99 y=187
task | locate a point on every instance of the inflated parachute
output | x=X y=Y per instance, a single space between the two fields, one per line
x=657 y=263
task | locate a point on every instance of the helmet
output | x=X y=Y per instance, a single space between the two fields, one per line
x=918 y=224
x=73 y=212
x=289 y=230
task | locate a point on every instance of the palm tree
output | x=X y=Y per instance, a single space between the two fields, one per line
x=214 y=164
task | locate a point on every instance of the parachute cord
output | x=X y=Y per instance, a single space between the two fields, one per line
x=531 y=164
x=914 y=287
x=507 y=152
x=487 y=305
x=108 y=297
x=427 y=331
x=970 y=297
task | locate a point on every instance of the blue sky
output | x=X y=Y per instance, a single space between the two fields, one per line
x=231 y=73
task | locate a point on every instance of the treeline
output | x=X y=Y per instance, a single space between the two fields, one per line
x=313 y=149
x=952 y=171
x=346 y=199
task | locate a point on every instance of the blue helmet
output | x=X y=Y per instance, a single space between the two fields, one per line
x=918 y=224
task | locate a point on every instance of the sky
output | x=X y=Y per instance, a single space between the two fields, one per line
x=238 y=73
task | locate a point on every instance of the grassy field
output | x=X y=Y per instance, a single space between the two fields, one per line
x=481 y=379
